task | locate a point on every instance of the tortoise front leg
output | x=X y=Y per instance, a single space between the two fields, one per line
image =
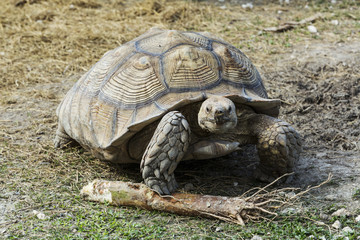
x=278 y=145
x=166 y=149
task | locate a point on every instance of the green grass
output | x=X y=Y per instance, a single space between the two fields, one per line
x=106 y=222
x=68 y=216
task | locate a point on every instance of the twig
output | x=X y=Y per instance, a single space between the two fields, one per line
x=313 y=187
x=267 y=186
x=290 y=25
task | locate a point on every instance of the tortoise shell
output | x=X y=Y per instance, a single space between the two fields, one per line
x=160 y=71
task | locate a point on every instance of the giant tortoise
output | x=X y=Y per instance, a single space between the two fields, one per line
x=170 y=95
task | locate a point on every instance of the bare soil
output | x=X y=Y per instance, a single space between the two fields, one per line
x=43 y=53
x=320 y=86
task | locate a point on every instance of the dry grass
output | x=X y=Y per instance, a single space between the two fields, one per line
x=45 y=41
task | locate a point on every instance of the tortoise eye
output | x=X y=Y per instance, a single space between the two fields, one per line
x=207 y=109
x=229 y=109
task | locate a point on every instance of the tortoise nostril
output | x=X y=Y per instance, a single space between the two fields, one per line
x=219 y=112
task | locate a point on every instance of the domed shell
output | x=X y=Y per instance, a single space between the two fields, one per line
x=157 y=72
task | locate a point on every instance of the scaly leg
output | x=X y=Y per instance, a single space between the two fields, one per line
x=279 y=147
x=167 y=147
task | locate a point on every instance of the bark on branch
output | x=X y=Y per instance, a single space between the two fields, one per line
x=233 y=209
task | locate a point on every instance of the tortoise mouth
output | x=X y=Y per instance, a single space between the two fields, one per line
x=217 y=125
x=217 y=120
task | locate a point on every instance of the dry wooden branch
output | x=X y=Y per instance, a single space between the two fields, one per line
x=238 y=210
x=290 y=25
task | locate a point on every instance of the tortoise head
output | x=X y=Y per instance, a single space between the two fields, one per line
x=217 y=115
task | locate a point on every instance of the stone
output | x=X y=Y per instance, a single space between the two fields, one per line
x=347 y=230
x=256 y=237
x=312 y=29
x=335 y=22
x=336 y=224
x=248 y=5
x=39 y=215
x=342 y=212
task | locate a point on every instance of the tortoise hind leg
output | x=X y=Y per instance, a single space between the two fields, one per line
x=166 y=149
x=278 y=145
x=62 y=139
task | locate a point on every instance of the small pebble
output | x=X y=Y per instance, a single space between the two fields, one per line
x=39 y=215
x=218 y=229
x=347 y=230
x=235 y=184
x=223 y=7
x=256 y=237
x=2 y=53
x=340 y=213
x=357 y=219
x=312 y=29
x=248 y=5
x=336 y=224
x=334 y=22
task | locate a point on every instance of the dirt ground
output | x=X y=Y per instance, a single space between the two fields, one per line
x=317 y=78
x=323 y=100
